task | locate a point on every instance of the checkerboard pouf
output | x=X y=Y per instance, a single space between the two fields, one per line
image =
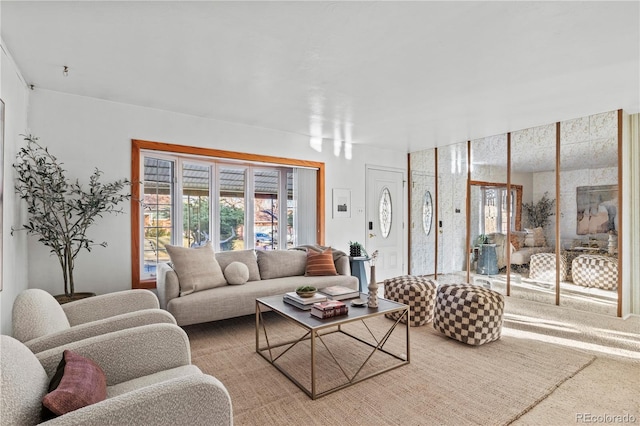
x=591 y=270
x=468 y=313
x=417 y=292
x=542 y=267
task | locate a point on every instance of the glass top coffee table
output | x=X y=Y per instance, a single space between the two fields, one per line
x=315 y=332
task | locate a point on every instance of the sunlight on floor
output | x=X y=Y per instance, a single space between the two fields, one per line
x=572 y=343
x=541 y=322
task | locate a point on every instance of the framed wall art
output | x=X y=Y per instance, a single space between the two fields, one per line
x=597 y=208
x=341 y=203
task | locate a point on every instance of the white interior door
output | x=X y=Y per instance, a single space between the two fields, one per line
x=385 y=221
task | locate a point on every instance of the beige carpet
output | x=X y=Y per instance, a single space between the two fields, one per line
x=445 y=383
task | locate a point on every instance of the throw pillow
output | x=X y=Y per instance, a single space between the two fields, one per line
x=281 y=263
x=538 y=237
x=81 y=383
x=248 y=257
x=197 y=268
x=521 y=235
x=515 y=241
x=320 y=264
x=236 y=273
x=528 y=241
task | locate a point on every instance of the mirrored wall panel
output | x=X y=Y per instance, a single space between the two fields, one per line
x=532 y=245
x=423 y=221
x=540 y=220
x=452 y=220
x=589 y=202
x=489 y=213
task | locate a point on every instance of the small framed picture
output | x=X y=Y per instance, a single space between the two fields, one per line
x=341 y=203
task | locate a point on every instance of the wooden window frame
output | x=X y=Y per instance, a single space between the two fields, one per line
x=518 y=191
x=138 y=145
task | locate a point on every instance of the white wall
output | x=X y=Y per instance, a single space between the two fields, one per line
x=86 y=133
x=15 y=95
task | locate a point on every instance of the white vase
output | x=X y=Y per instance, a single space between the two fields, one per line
x=372 y=300
x=612 y=247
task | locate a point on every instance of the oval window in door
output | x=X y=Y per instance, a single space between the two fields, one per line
x=385 y=211
x=427 y=213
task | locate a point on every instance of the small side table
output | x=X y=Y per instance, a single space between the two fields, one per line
x=358 y=271
x=487 y=261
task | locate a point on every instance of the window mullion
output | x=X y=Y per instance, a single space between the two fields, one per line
x=282 y=210
x=177 y=224
x=214 y=206
x=249 y=214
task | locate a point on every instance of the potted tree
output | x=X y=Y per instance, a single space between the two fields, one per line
x=60 y=211
x=540 y=212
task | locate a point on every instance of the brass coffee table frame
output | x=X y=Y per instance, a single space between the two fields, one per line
x=317 y=328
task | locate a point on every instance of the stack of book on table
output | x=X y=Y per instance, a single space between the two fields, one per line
x=338 y=292
x=305 y=303
x=328 y=309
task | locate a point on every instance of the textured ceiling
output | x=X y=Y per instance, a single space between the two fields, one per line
x=402 y=75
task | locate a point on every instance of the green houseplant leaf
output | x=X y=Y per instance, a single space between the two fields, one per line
x=539 y=213
x=60 y=211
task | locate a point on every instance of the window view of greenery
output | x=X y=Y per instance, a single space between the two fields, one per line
x=232 y=208
x=195 y=204
x=192 y=207
x=266 y=184
x=157 y=202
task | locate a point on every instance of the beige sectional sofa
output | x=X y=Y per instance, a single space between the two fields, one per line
x=521 y=256
x=270 y=272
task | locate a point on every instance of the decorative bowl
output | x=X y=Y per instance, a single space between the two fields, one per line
x=306 y=291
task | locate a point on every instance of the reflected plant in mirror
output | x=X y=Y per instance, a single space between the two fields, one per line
x=538 y=213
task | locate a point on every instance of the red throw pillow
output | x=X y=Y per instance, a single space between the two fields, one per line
x=319 y=264
x=83 y=383
x=515 y=241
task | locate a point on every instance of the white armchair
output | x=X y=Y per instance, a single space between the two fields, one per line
x=150 y=381
x=41 y=323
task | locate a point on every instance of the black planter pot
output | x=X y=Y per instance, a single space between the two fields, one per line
x=63 y=298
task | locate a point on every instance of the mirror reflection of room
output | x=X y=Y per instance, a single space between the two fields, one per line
x=543 y=213
x=589 y=203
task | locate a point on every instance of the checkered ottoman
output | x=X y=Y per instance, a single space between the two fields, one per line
x=416 y=291
x=591 y=270
x=542 y=267
x=468 y=313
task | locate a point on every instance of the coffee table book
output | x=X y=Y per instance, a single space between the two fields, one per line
x=330 y=313
x=304 y=303
x=328 y=309
x=328 y=305
x=338 y=292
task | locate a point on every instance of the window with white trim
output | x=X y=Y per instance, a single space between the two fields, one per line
x=189 y=200
x=493 y=210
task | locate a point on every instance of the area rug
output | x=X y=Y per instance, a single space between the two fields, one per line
x=446 y=382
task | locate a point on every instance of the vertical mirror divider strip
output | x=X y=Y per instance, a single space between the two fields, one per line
x=558 y=253
x=468 y=212
x=409 y=214
x=437 y=219
x=509 y=213
x=620 y=233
